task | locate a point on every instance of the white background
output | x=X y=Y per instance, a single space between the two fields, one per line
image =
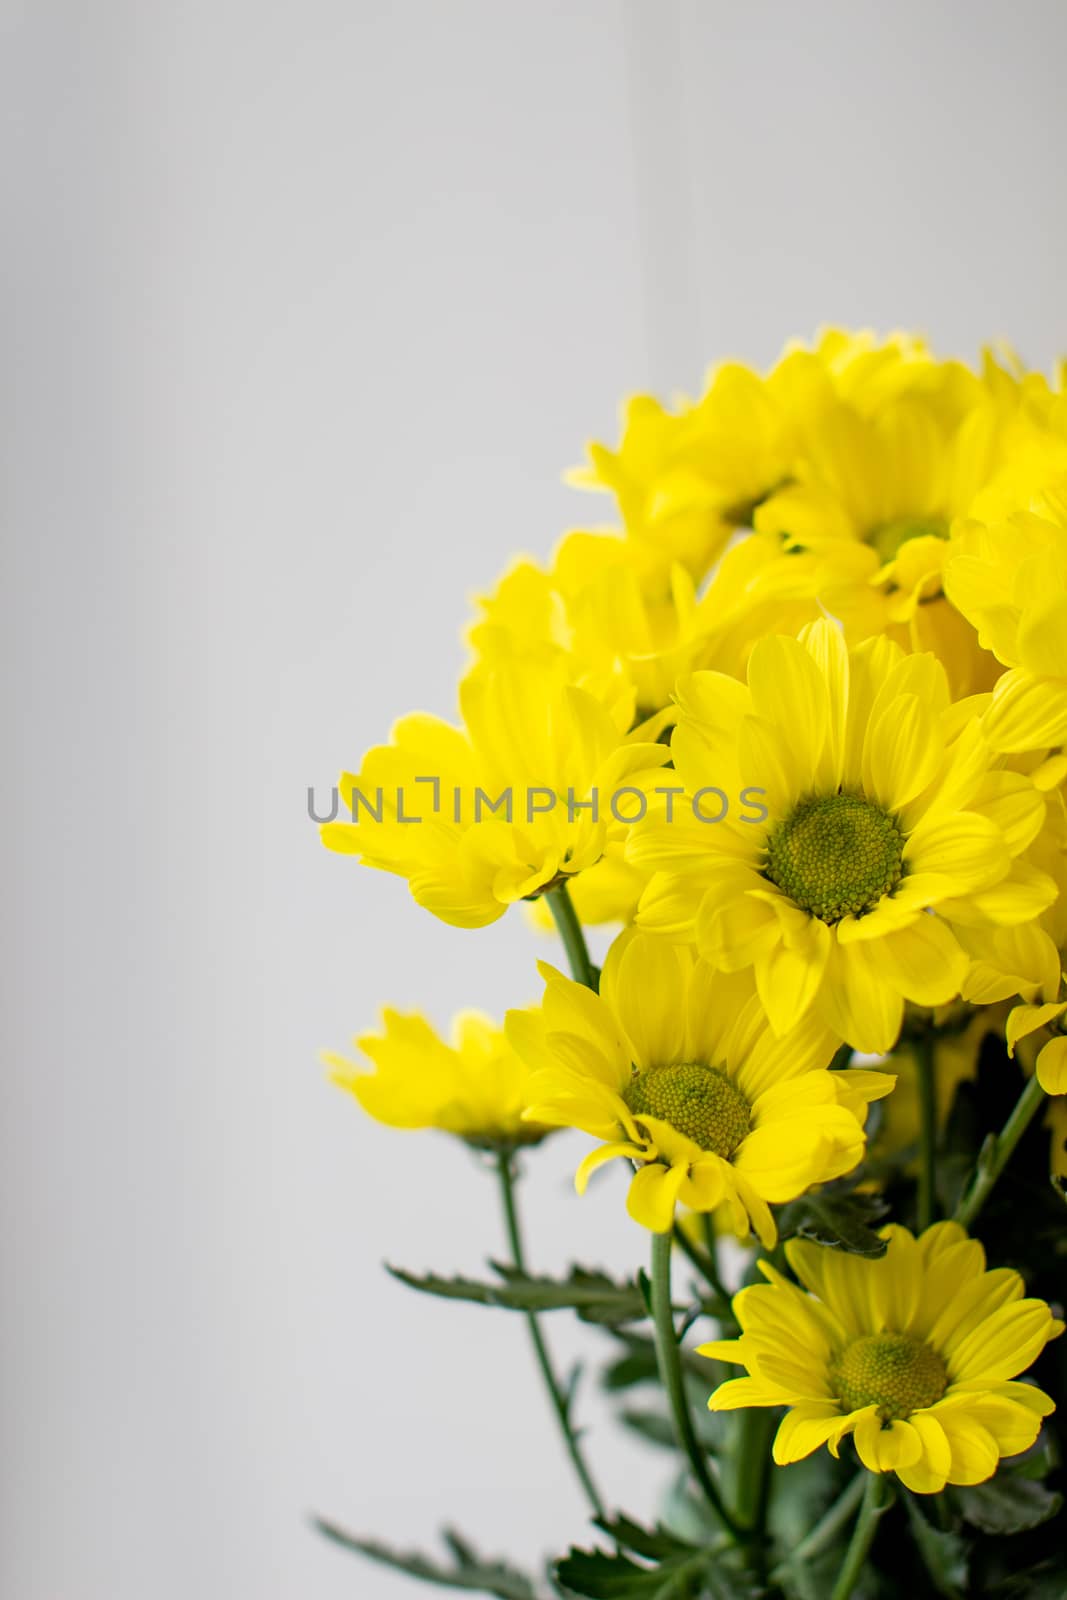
x=309 y=304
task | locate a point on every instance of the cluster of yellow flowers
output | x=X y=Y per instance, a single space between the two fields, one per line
x=797 y=726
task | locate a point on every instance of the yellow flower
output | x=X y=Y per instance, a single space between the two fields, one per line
x=1009 y=578
x=474 y=1087
x=534 y=787
x=605 y=612
x=872 y=827
x=684 y=480
x=674 y=1067
x=874 y=497
x=913 y=1354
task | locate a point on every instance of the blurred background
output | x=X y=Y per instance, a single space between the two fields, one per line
x=308 y=307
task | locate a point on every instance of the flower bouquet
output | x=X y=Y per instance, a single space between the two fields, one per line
x=795 y=730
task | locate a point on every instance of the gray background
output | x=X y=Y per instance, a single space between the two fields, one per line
x=308 y=306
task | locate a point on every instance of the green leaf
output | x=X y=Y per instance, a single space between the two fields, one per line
x=1006 y=1504
x=835 y=1217
x=680 y=1572
x=655 y=1544
x=468 y=1570
x=944 y=1554
x=592 y=1294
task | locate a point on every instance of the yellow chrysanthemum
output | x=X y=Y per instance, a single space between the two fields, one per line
x=873 y=501
x=674 y=1066
x=1009 y=578
x=913 y=1354
x=603 y=611
x=684 y=480
x=530 y=790
x=881 y=827
x=610 y=616
x=475 y=1087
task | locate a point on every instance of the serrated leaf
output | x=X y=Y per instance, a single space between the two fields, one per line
x=601 y=1576
x=944 y=1554
x=591 y=1294
x=1006 y=1504
x=837 y=1218
x=468 y=1570
x=656 y=1544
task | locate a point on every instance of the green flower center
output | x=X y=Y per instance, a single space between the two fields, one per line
x=888 y=539
x=836 y=855
x=892 y=1371
x=696 y=1100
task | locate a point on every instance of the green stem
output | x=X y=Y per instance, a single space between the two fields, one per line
x=924 y=1059
x=754 y=1471
x=996 y=1153
x=706 y=1267
x=711 y=1245
x=560 y=1404
x=875 y=1501
x=825 y=1530
x=670 y=1371
x=570 y=931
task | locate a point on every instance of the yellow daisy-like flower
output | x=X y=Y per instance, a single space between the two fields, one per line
x=475 y=1087
x=1009 y=578
x=684 y=480
x=535 y=787
x=913 y=1354
x=605 y=611
x=880 y=827
x=875 y=496
x=673 y=1065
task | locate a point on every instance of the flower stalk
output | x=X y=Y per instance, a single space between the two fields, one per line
x=570 y=931
x=997 y=1152
x=875 y=1504
x=556 y=1394
x=670 y=1371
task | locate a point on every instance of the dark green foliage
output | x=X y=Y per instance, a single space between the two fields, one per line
x=592 y=1295
x=837 y=1216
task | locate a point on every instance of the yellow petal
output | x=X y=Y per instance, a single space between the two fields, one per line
x=902 y=752
x=803 y=1430
x=652 y=1196
x=1052 y=1067
x=1027 y=713
x=737 y=1394
x=1024 y=1020
x=974 y=1450
x=966 y=848
x=597 y=1158
x=924 y=961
